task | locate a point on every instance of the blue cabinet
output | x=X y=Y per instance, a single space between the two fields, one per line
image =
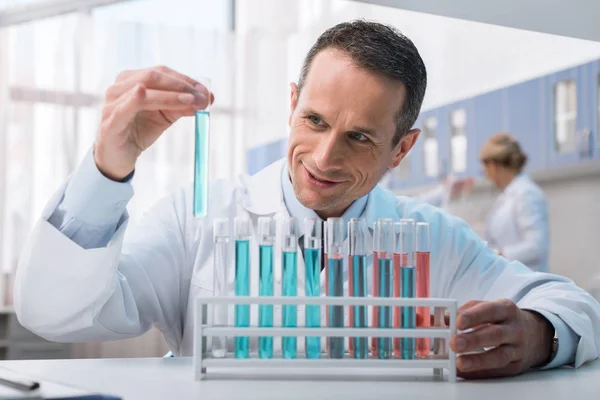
x=527 y=110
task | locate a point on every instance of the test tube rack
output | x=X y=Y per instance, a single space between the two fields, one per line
x=203 y=359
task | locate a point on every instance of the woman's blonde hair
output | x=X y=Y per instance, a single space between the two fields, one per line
x=505 y=150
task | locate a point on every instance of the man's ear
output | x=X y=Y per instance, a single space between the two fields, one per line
x=402 y=148
x=293 y=100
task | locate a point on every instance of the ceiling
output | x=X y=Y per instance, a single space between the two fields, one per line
x=573 y=18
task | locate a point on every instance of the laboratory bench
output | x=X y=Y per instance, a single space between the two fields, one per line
x=17 y=343
x=172 y=378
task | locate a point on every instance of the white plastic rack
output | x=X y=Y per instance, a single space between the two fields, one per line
x=203 y=359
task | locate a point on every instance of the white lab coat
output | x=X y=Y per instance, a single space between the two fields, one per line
x=66 y=293
x=518 y=224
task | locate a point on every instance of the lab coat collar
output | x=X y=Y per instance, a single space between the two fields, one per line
x=263 y=190
x=513 y=186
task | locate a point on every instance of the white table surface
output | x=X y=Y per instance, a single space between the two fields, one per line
x=172 y=379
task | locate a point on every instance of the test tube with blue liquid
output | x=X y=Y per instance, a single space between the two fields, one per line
x=266 y=238
x=220 y=282
x=289 y=284
x=375 y=309
x=312 y=261
x=357 y=283
x=385 y=282
x=335 y=240
x=409 y=284
x=242 y=283
x=201 y=151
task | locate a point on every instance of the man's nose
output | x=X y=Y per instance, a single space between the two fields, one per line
x=329 y=152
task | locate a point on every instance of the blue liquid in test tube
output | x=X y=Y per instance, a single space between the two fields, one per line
x=357 y=233
x=335 y=241
x=409 y=284
x=266 y=234
x=386 y=267
x=289 y=285
x=312 y=261
x=201 y=163
x=242 y=283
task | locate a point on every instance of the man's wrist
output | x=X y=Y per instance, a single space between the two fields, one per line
x=542 y=339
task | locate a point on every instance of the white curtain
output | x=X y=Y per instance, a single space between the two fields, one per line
x=53 y=76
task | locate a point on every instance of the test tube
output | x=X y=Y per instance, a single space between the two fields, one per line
x=220 y=264
x=423 y=286
x=398 y=262
x=357 y=283
x=375 y=313
x=289 y=284
x=242 y=282
x=201 y=152
x=266 y=238
x=386 y=236
x=408 y=272
x=312 y=261
x=326 y=264
x=335 y=239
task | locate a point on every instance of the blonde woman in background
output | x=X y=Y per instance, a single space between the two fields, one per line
x=517 y=225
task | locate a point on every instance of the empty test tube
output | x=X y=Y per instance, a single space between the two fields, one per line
x=289 y=284
x=220 y=281
x=266 y=238
x=335 y=233
x=385 y=278
x=357 y=283
x=312 y=261
x=242 y=283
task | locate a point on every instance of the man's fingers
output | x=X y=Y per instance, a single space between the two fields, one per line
x=489 y=312
x=120 y=113
x=152 y=79
x=469 y=304
x=495 y=359
x=491 y=335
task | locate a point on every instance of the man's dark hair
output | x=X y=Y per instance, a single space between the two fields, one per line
x=381 y=49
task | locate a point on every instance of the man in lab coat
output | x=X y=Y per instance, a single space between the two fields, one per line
x=352 y=111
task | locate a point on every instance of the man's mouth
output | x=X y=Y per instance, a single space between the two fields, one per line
x=319 y=181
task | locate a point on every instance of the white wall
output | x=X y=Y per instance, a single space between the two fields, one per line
x=463 y=58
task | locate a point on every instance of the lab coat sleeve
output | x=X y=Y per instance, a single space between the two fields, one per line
x=472 y=271
x=92 y=207
x=532 y=221
x=66 y=292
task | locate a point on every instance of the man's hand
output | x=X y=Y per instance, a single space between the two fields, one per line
x=515 y=340
x=139 y=107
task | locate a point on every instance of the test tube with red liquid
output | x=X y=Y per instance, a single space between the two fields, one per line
x=423 y=286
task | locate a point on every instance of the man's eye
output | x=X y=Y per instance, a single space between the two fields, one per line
x=315 y=120
x=358 y=137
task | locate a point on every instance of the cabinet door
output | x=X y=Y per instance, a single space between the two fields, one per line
x=567 y=114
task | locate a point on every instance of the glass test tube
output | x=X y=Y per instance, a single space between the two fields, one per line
x=201 y=161
x=386 y=236
x=409 y=283
x=335 y=240
x=423 y=285
x=326 y=264
x=397 y=290
x=375 y=313
x=289 y=284
x=242 y=283
x=220 y=282
x=357 y=283
x=312 y=261
x=266 y=238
